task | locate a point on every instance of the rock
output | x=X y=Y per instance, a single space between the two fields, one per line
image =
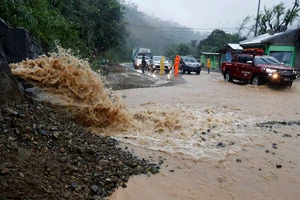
x=74 y=185
x=54 y=128
x=56 y=135
x=15 y=45
x=286 y=135
x=4 y=170
x=95 y=189
x=38 y=161
x=26 y=45
x=9 y=88
x=238 y=160
x=103 y=162
x=62 y=150
x=24 y=154
x=43 y=132
x=278 y=166
x=221 y=144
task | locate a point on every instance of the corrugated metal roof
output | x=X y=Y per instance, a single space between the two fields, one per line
x=235 y=46
x=209 y=53
x=262 y=38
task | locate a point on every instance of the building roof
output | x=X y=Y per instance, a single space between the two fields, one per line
x=235 y=46
x=263 y=38
x=209 y=53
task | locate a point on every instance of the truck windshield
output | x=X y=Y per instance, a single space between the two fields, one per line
x=266 y=60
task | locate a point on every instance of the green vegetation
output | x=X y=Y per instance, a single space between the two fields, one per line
x=216 y=40
x=101 y=30
x=90 y=28
x=276 y=17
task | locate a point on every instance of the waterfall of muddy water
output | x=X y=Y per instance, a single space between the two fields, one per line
x=70 y=82
x=199 y=134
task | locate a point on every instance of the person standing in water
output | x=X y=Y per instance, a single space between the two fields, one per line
x=143 y=64
x=208 y=65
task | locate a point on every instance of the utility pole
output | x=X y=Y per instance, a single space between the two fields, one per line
x=257 y=18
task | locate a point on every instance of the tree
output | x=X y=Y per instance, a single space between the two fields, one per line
x=86 y=27
x=276 y=18
x=41 y=18
x=100 y=22
x=216 y=40
x=184 y=49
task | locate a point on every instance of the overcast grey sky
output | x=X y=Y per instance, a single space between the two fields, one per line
x=206 y=14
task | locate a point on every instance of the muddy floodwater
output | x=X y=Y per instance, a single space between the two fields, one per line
x=230 y=141
x=212 y=139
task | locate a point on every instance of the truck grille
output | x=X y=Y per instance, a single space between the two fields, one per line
x=286 y=72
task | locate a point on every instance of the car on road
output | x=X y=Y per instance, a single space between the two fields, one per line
x=258 y=69
x=189 y=64
x=155 y=64
x=138 y=62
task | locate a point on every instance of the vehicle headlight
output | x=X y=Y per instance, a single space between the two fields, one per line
x=275 y=76
x=271 y=71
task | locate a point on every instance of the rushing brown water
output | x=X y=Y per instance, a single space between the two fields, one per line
x=71 y=83
x=206 y=130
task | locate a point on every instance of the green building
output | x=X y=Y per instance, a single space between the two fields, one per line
x=214 y=59
x=285 y=46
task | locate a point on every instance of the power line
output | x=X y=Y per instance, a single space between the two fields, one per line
x=225 y=11
x=179 y=28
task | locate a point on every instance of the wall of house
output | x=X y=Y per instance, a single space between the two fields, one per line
x=285 y=54
x=214 y=60
x=289 y=43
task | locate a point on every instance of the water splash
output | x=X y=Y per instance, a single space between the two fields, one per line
x=72 y=84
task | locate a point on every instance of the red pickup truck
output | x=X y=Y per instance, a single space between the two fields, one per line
x=258 y=69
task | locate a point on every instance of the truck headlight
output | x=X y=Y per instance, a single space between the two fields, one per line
x=271 y=71
x=275 y=76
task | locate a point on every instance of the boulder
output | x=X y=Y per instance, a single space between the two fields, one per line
x=19 y=45
x=16 y=45
x=9 y=86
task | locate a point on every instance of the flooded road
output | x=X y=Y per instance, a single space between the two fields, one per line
x=221 y=150
x=213 y=139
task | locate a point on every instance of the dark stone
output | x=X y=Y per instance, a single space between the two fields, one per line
x=286 y=135
x=9 y=88
x=15 y=45
x=103 y=162
x=274 y=146
x=278 y=166
x=95 y=189
x=3 y=28
x=221 y=144
x=238 y=160
x=19 y=45
x=43 y=132
x=74 y=185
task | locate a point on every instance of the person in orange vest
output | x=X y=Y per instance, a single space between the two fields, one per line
x=176 y=64
x=208 y=65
